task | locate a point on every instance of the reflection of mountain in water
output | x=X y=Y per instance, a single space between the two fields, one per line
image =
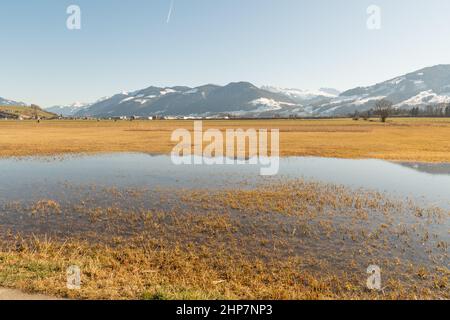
x=431 y=168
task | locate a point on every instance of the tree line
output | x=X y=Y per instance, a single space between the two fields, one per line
x=439 y=110
x=384 y=109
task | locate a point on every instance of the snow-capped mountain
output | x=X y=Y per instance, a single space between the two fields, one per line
x=6 y=102
x=416 y=89
x=305 y=97
x=240 y=99
x=68 y=110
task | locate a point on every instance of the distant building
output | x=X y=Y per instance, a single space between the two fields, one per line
x=119 y=118
x=191 y=118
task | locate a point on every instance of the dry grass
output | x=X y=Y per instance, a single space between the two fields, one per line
x=25 y=111
x=400 y=139
x=290 y=241
x=155 y=271
x=295 y=240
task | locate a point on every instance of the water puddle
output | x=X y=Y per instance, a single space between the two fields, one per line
x=339 y=211
x=34 y=178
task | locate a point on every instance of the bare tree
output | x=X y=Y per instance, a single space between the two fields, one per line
x=384 y=109
x=35 y=111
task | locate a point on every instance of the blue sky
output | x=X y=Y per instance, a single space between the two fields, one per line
x=128 y=45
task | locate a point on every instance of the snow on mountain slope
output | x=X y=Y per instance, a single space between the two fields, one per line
x=76 y=107
x=305 y=96
x=424 y=98
x=6 y=102
x=68 y=110
x=417 y=89
x=270 y=104
x=240 y=98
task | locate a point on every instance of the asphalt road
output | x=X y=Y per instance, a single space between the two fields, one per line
x=10 y=294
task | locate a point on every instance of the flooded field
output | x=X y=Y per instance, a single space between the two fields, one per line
x=40 y=176
x=223 y=231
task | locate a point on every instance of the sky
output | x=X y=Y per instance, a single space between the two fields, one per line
x=130 y=45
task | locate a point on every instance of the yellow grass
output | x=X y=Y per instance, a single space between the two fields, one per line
x=425 y=140
x=174 y=273
x=298 y=240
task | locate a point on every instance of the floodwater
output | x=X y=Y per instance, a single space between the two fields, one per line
x=102 y=197
x=37 y=177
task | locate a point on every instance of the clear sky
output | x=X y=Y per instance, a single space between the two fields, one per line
x=129 y=45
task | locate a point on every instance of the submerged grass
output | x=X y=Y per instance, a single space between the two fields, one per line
x=296 y=240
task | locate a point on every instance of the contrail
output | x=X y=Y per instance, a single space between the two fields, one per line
x=170 y=11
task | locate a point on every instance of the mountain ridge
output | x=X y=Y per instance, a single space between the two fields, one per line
x=430 y=85
x=237 y=98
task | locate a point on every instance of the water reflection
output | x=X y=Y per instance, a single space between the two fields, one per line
x=37 y=177
x=432 y=168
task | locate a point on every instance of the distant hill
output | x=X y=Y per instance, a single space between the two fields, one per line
x=15 y=112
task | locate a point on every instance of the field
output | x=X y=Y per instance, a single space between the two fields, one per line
x=296 y=240
x=423 y=140
x=284 y=239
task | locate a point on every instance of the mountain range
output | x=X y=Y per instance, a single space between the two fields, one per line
x=239 y=99
x=428 y=86
x=416 y=89
x=68 y=110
